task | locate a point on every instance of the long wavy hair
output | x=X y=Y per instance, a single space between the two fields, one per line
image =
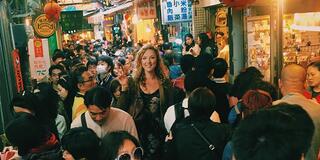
x=139 y=74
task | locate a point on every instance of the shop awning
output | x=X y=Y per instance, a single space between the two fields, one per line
x=118 y=8
x=81 y=7
x=208 y=3
x=98 y=18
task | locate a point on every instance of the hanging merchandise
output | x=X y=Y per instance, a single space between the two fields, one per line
x=238 y=4
x=52 y=11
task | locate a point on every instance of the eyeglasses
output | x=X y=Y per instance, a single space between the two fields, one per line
x=89 y=80
x=137 y=154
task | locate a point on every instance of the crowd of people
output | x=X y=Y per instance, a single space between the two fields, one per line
x=144 y=102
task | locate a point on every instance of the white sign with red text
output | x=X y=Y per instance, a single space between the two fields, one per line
x=39 y=58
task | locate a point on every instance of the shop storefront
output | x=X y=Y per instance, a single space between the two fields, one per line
x=220 y=28
x=270 y=45
x=114 y=23
x=177 y=19
x=144 y=19
x=75 y=26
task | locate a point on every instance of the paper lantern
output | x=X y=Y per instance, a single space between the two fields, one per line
x=237 y=4
x=127 y=17
x=52 y=11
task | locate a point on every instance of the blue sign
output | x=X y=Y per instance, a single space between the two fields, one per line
x=69 y=8
x=176 y=11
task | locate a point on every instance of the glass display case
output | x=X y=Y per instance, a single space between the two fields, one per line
x=258 y=39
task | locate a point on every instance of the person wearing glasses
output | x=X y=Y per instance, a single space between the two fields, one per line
x=55 y=72
x=83 y=81
x=120 y=145
x=101 y=117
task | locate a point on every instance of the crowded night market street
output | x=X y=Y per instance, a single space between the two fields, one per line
x=159 y=79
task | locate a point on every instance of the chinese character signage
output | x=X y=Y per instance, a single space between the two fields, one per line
x=17 y=70
x=176 y=11
x=39 y=58
x=147 y=9
x=43 y=27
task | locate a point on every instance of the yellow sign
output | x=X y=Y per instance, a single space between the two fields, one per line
x=43 y=27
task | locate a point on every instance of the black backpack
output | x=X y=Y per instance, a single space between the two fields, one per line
x=179 y=113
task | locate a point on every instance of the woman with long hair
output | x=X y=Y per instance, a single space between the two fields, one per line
x=189 y=46
x=207 y=46
x=146 y=96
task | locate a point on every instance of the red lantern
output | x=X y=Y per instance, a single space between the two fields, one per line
x=127 y=16
x=52 y=11
x=237 y=4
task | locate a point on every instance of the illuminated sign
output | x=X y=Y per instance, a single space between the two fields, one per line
x=176 y=11
x=43 y=27
x=146 y=9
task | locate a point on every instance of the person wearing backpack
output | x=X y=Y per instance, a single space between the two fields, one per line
x=193 y=79
x=196 y=137
x=101 y=117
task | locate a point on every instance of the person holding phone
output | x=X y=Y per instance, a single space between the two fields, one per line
x=190 y=47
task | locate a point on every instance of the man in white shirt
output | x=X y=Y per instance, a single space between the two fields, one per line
x=102 y=118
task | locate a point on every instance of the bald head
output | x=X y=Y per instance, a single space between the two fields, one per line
x=292 y=79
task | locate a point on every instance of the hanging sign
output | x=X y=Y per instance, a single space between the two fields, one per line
x=44 y=27
x=39 y=58
x=147 y=9
x=17 y=70
x=176 y=11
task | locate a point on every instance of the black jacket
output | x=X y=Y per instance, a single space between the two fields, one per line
x=187 y=144
x=221 y=92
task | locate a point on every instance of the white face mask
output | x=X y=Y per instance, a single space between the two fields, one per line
x=101 y=69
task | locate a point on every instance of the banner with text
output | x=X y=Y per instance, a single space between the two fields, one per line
x=17 y=70
x=39 y=58
x=147 y=9
x=176 y=11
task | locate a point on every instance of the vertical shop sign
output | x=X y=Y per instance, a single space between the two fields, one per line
x=147 y=9
x=38 y=51
x=176 y=11
x=17 y=70
x=39 y=58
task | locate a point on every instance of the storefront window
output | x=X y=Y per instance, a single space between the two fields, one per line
x=176 y=33
x=301 y=38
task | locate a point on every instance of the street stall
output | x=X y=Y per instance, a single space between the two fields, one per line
x=280 y=33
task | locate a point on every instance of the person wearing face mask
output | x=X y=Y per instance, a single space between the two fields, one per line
x=104 y=68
